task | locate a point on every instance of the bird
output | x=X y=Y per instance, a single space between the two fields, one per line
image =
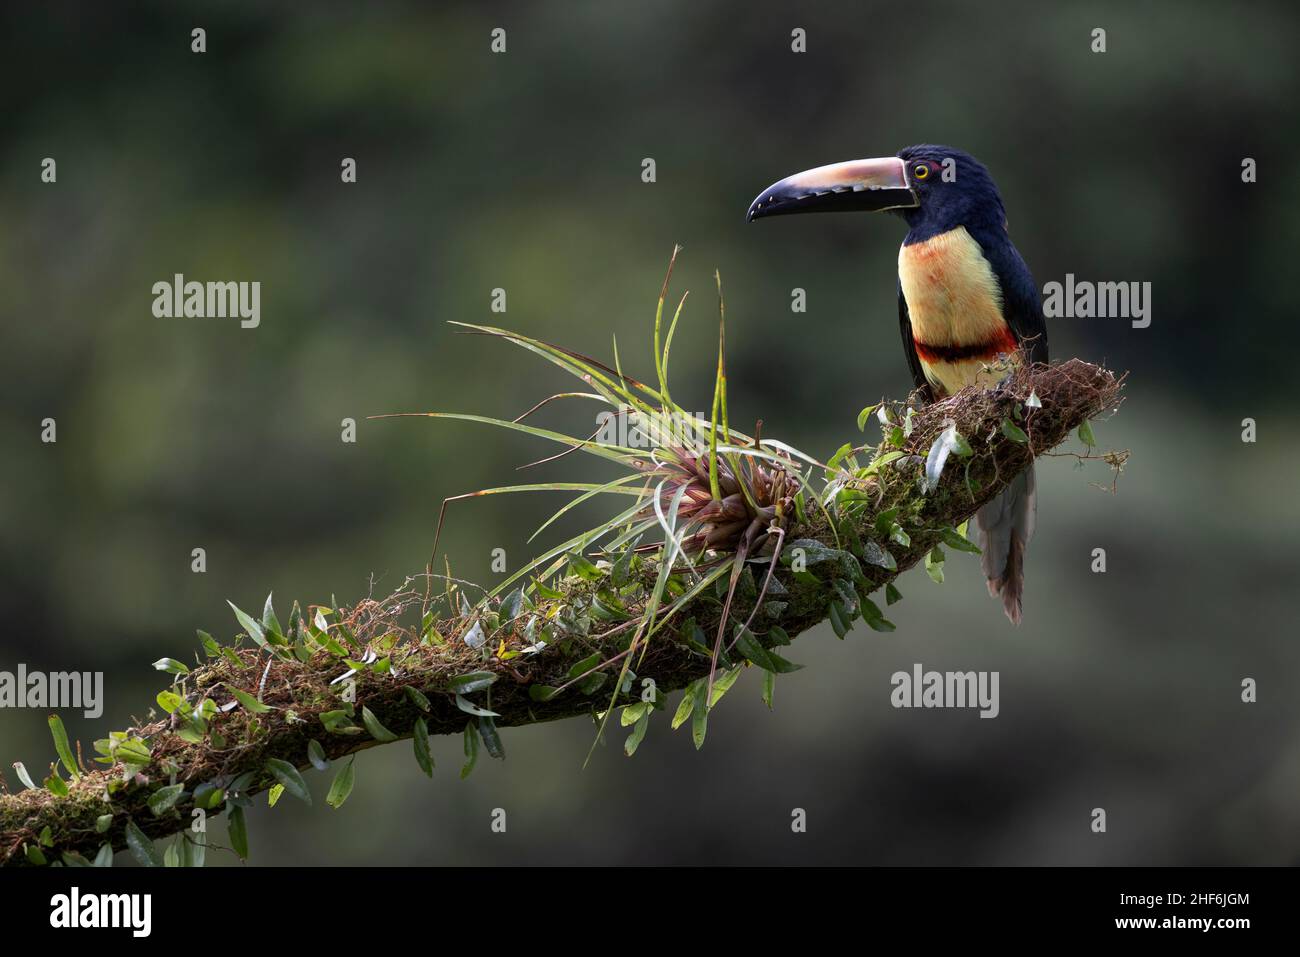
x=968 y=306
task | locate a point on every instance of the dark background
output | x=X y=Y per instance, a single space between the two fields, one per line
x=522 y=171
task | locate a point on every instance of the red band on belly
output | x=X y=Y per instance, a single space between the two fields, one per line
x=931 y=352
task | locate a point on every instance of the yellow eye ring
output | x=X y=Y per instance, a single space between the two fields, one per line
x=920 y=171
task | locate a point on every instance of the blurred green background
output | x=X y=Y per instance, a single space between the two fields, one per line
x=522 y=171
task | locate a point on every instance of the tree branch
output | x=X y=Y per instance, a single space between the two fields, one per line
x=226 y=759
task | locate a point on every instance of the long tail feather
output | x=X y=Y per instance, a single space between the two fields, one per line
x=1004 y=527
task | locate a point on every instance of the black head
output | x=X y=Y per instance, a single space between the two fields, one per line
x=952 y=188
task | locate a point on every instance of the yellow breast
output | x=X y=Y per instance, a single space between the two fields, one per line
x=953 y=299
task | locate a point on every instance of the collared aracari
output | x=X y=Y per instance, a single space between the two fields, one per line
x=967 y=303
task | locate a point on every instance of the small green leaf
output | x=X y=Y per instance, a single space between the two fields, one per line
x=880 y=461
x=62 y=747
x=865 y=415
x=814 y=552
x=839 y=619
x=273 y=795
x=474 y=681
x=250 y=626
x=470 y=707
x=342 y=785
x=171 y=666
x=338 y=722
x=316 y=755
x=1014 y=432
x=288 y=775
x=541 y=692
x=487 y=730
x=934 y=564
x=687 y=705
x=165 y=798
x=190 y=733
x=421 y=739
x=892 y=594
x=769 y=686
x=271 y=624
x=193 y=849
x=585 y=665
x=699 y=722
x=56 y=785
x=417 y=698
x=1085 y=434
x=471 y=750
x=843 y=452
x=210 y=644
x=873 y=554
x=632 y=713
x=103 y=823
x=848 y=599
x=582 y=567
x=637 y=736
x=208 y=796
x=249 y=702
x=237 y=828
x=132 y=752
x=512 y=605
x=593 y=682
x=954 y=539
x=141 y=847
x=373 y=725
x=546 y=591
x=723 y=684
x=749 y=646
x=622 y=570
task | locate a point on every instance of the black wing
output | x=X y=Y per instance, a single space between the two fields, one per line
x=1021 y=304
x=909 y=346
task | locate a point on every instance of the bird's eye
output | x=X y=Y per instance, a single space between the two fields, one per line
x=920 y=171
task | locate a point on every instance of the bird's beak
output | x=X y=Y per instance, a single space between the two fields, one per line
x=867 y=184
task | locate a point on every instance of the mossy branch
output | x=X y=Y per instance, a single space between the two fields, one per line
x=233 y=757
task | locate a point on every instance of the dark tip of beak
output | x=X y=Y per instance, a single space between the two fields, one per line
x=865 y=185
x=771 y=203
x=830 y=201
